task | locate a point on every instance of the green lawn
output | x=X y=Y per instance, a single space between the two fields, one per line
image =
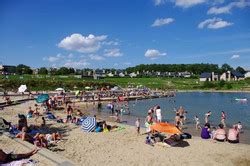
x=41 y=82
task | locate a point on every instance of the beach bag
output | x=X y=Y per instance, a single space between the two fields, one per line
x=29 y=116
x=4 y=124
x=186 y=136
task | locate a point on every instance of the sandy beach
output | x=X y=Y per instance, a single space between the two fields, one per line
x=125 y=147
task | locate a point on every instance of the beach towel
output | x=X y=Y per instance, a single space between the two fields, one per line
x=22 y=162
x=14 y=130
x=51 y=116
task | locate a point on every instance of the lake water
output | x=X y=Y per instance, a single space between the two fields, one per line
x=198 y=103
x=195 y=103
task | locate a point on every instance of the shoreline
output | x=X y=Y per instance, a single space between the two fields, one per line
x=214 y=91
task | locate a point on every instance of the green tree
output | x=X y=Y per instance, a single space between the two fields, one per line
x=241 y=70
x=63 y=71
x=43 y=71
x=23 y=69
x=226 y=67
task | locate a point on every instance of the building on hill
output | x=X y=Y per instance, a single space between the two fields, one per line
x=247 y=74
x=209 y=76
x=232 y=76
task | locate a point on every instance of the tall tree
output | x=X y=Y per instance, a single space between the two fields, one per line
x=226 y=67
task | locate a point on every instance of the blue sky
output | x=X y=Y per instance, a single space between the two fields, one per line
x=123 y=33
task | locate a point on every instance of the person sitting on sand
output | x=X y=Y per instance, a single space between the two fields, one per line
x=40 y=141
x=36 y=112
x=107 y=128
x=233 y=135
x=53 y=137
x=24 y=135
x=79 y=113
x=220 y=134
x=7 y=100
x=22 y=122
x=69 y=112
x=205 y=131
x=9 y=157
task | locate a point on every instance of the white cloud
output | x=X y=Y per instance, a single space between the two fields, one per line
x=227 y=9
x=153 y=54
x=214 y=23
x=188 y=3
x=80 y=43
x=76 y=64
x=162 y=21
x=159 y=2
x=235 y=56
x=111 y=43
x=116 y=64
x=112 y=52
x=96 y=57
x=53 y=58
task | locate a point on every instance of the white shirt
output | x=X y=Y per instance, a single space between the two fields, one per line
x=158 y=112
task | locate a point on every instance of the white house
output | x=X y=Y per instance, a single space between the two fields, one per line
x=247 y=74
x=232 y=76
x=206 y=76
x=121 y=75
x=110 y=75
x=132 y=75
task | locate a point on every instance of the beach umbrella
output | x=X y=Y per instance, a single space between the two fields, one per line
x=22 y=88
x=59 y=89
x=77 y=92
x=165 y=128
x=42 y=98
x=89 y=124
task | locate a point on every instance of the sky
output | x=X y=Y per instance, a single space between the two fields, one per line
x=124 y=33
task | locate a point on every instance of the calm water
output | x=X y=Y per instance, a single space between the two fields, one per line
x=198 y=103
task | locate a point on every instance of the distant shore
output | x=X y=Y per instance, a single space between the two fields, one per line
x=220 y=91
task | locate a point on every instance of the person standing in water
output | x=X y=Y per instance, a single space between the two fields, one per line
x=181 y=113
x=207 y=115
x=158 y=113
x=223 y=118
x=137 y=124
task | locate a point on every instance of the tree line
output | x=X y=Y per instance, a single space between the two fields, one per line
x=192 y=68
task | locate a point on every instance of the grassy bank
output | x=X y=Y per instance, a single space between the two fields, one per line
x=41 y=82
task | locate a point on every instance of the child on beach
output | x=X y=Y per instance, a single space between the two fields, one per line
x=197 y=125
x=137 y=124
x=239 y=127
x=213 y=132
